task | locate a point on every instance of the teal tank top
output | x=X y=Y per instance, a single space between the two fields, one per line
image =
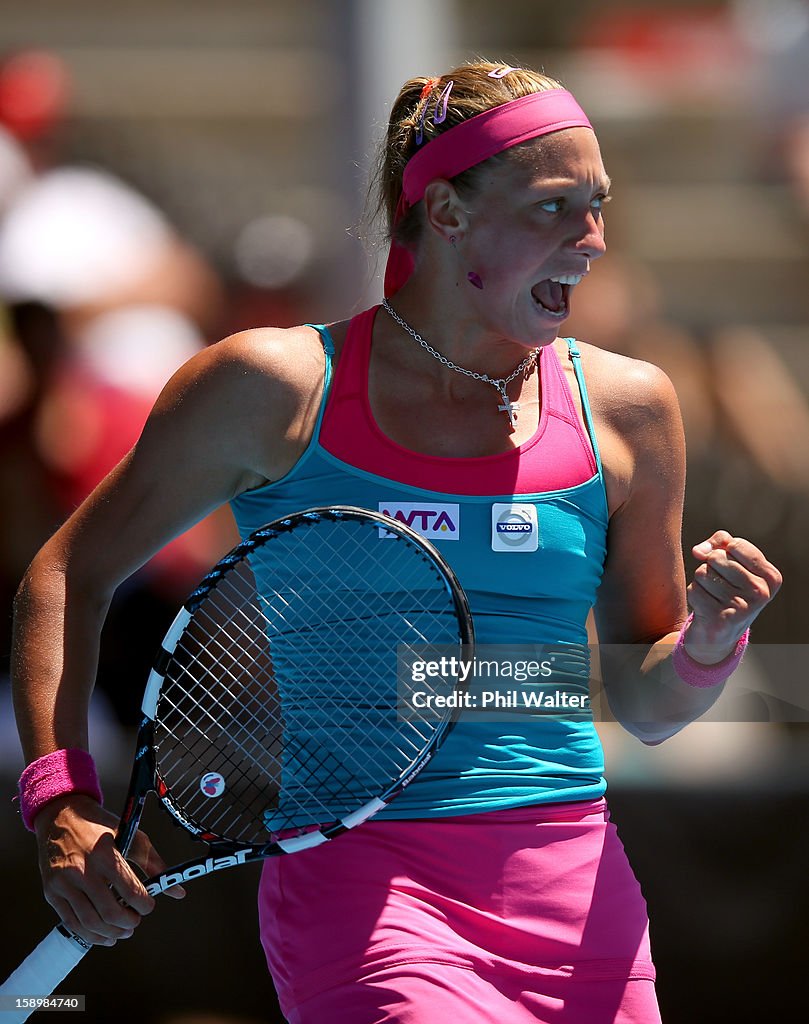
x=533 y=584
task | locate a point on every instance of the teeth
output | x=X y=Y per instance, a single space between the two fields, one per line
x=568 y=278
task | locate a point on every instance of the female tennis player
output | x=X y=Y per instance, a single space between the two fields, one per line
x=549 y=473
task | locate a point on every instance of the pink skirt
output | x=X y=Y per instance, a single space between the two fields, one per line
x=530 y=914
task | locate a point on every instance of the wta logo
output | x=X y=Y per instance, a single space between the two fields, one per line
x=212 y=784
x=435 y=522
x=515 y=528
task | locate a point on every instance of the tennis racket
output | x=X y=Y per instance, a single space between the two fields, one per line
x=270 y=721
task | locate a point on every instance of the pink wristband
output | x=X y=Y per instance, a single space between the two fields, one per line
x=55 y=775
x=694 y=672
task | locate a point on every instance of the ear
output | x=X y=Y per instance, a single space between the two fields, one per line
x=443 y=211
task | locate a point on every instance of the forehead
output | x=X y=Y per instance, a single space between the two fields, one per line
x=572 y=154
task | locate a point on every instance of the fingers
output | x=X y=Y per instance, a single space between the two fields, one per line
x=151 y=863
x=723 y=546
x=128 y=888
x=727 y=581
x=86 y=880
x=737 y=562
x=89 y=897
x=83 y=923
x=733 y=583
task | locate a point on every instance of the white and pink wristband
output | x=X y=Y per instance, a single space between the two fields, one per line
x=695 y=673
x=54 y=775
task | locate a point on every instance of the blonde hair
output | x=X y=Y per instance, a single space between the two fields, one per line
x=473 y=91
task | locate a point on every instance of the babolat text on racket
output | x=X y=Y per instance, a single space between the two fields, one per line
x=270 y=720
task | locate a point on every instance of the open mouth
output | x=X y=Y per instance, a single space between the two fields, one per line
x=553 y=294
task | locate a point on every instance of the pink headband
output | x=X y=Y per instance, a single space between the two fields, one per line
x=471 y=142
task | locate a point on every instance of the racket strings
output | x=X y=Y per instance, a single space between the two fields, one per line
x=285 y=681
x=234 y=737
x=399 y=581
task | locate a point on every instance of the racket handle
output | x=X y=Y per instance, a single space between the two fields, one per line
x=41 y=972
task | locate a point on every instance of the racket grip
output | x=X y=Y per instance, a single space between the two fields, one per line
x=41 y=972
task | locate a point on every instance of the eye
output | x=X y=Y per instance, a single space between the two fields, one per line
x=552 y=205
x=599 y=202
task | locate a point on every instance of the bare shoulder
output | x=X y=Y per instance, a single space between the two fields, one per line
x=280 y=365
x=256 y=392
x=628 y=394
x=263 y=357
x=281 y=345
x=636 y=417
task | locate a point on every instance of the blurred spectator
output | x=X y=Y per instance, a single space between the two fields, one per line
x=661 y=54
x=105 y=302
x=775 y=439
x=777 y=33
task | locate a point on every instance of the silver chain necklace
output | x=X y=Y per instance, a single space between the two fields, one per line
x=500 y=383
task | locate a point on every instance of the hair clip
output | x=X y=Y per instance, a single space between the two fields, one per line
x=501 y=72
x=440 y=113
x=429 y=85
x=420 y=126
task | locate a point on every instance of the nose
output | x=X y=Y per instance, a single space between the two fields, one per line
x=588 y=238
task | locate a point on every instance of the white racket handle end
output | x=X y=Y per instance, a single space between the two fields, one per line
x=40 y=973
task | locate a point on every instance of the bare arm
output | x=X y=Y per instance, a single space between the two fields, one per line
x=234 y=416
x=642 y=601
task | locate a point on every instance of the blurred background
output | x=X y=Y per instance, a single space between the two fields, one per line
x=172 y=172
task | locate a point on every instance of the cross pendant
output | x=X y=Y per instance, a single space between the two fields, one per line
x=510 y=408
